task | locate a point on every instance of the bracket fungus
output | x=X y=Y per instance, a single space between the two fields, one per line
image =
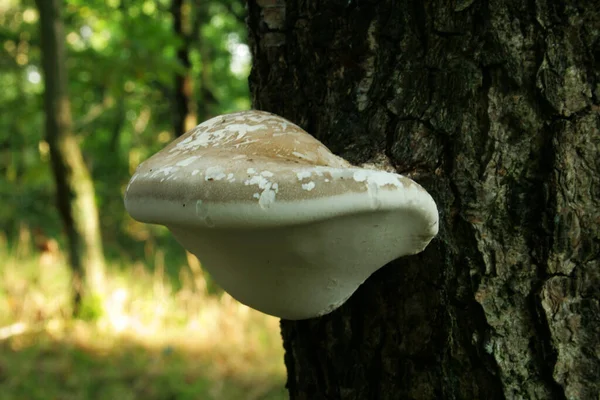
x=280 y=222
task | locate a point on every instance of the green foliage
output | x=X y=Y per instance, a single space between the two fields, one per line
x=92 y=308
x=151 y=341
x=52 y=369
x=122 y=64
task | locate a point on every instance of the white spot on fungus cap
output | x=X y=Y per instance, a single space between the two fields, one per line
x=281 y=223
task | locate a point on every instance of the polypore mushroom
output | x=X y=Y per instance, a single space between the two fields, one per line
x=281 y=223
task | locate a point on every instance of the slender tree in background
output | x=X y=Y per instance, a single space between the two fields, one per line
x=207 y=102
x=493 y=106
x=184 y=106
x=74 y=187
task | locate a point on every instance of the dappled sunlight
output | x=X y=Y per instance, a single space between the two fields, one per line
x=151 y=324
x=213 y=337
x=83 y=364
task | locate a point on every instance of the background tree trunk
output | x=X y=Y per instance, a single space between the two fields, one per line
x=207 y=102
x=493 y=106
x=74 y=186
x=184 y=108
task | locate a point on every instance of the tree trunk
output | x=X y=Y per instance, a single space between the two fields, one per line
x=183 y=108
x=74 y=187
x=493 y=106
x=207 y=102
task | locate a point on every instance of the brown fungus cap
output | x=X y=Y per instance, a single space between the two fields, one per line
x=280 y=222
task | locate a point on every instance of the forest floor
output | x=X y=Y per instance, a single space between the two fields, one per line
x=150 y=341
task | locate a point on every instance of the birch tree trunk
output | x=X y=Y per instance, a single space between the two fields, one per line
x=493 y=106
x=74 y=187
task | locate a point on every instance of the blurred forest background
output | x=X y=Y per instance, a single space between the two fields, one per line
x=153 y=325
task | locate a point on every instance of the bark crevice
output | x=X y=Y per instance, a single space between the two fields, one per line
x=488 y=106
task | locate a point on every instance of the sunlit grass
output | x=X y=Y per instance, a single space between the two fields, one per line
x=149 y=340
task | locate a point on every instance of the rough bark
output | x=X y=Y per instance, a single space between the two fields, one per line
x=74 y=188
x=493 y=106
x=184 y=113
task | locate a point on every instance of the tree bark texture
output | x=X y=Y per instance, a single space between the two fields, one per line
x=493 y=106
x=74 y=187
